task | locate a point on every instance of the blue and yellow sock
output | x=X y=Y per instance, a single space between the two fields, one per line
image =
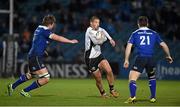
x=33 y=86
x=152 y=86
x=21 y=79
x=132 y=88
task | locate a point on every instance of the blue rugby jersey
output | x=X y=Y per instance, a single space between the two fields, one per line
x=40 y=41
x=144 y=40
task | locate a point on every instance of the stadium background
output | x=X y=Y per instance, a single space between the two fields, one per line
x=118 y=17
x=65 y=61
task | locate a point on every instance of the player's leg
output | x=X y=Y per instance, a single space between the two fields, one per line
x=152 y=86
x=22 y=79
x=152 y=80
x=92 y=65
x=97 y=76
x=33 y=64
x=105 y=66
x=133 y=76
x=43 y=76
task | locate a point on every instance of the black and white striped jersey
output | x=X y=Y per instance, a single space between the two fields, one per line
x=93 y=41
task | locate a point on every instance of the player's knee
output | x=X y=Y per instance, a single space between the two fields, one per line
x=132 y=81
x=46 y=80
x=28 y=76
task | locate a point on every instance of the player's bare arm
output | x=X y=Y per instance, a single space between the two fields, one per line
x=127 y=54
x=62 y=39
x=112 y=42
x=166 y=50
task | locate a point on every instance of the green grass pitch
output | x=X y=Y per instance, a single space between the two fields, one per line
x=83 y=92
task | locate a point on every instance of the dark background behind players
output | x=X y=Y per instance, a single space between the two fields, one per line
x=118 y=18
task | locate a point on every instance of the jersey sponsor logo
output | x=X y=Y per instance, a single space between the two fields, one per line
x=144 y=32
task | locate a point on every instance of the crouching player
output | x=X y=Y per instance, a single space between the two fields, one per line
x=42 y=36
x=95 y=36
x=144 y=40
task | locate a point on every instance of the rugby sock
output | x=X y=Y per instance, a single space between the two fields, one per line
x=132 y=88
x=111 y=87
x=21 y=79
x=152 y=86
x=34 y=85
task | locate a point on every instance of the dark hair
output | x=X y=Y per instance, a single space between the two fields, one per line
x=49 y=19
x=143 y=21
x=93 y=18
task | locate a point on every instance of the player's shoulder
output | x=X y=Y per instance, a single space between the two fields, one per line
x=42 y=30
x=39 y=29
x=142 y=29
x=100 y=29
x=89 y=29
x=152 y=31
x=43 y=27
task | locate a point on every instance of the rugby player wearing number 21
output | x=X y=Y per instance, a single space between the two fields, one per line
x=144 y=40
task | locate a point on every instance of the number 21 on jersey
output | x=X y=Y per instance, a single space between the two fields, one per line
x=145 y=40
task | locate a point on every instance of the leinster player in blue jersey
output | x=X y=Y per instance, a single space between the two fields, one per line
x=144 y=40
x=42 y=36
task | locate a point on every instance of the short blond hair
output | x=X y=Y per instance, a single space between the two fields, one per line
x=93 y=18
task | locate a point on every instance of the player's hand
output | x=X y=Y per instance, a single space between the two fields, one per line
x=74 y=41
x=126 y=64
x=113 y=43
x=169 y=59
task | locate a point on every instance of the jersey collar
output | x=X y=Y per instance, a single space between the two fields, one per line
x=44 y=27
x=143 y=28
x=93 y=29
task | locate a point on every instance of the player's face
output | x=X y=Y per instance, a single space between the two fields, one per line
x=95 y=24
